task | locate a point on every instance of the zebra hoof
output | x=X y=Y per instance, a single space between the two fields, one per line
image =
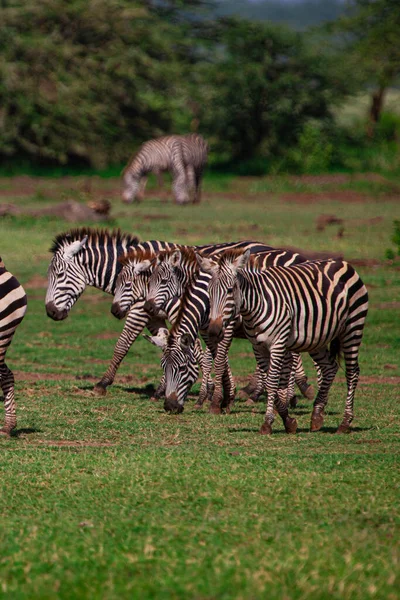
x=198 y=406
x=266 y=428
x=317 y=420
x=5 y=433
x=290 y=425
x=100 y=389
x=249 y=402
x=293 y=402
x=215 y=410
x=154 y=399
x=344 y=427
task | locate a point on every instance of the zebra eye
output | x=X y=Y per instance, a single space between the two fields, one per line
x=230 y=290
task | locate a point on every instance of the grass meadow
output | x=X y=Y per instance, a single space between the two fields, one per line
x=110 y=497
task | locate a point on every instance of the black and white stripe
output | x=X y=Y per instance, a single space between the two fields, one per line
x=184 y=156
x=13 y=304
x=316 y=307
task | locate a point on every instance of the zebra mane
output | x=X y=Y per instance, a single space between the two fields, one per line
x=137 y=255
x=101 y=236
x=188 y=255
x=230 y=255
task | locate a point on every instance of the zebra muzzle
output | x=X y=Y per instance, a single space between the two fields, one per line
x=172 y=405
x=117 y=311
x=55 y=313
x=151 y=308
x=216 y=330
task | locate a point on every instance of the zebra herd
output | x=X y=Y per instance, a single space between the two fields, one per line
x=282 y=303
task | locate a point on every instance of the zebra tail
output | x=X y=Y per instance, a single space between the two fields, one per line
x=335 y=350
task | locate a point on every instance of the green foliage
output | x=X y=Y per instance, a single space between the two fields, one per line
x=262 y=87
x=396 y=235
x=85 y=81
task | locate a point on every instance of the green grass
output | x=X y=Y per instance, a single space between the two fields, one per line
x=113 y=498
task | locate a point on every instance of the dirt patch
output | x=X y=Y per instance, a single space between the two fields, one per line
x=107 y=335
x=388 y=306
x=37 y=282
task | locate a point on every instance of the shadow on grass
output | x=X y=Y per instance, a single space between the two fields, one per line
x=24 y=430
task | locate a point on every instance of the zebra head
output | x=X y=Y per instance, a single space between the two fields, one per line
x=223 y=289
x=131 y=184
x=132 y=282
x=67 y=279
x=163 y=283
x=179 y=365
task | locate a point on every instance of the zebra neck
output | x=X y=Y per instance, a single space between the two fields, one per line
x=195 y=307
x=101 y=264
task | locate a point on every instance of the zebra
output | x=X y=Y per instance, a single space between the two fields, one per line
x=185 y=156
x=13 y=304
x=195 y=301
x=317 y=307
x=131 y=287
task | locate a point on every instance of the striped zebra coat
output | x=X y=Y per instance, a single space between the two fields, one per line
x=173 y=275
x=317 y=307
x=184 y=156
x=13 y=303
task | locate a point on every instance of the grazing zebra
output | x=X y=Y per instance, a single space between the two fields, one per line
x=13 y=304
x=194 y=316
x=131 y=287
x=185 y=156
x=316 y=307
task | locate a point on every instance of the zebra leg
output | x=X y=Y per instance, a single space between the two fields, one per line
x=300 y=377
x=191 y=182
x=224 y=391
x=197 y=187
x=352 y=376
x=7 y=386
x=140 y=195
x=136 y=321
x=179 y=183
x=278 y=358
x=327 y=370
x=285 y=394
x=207 y=385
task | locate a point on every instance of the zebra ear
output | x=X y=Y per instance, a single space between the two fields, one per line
x=241 y=261
x=74 y=248
x=185 y=341
x=160 y=339
x=206 y=264
x=142 y=266
x=175 y=258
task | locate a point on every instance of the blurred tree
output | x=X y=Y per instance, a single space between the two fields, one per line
x=261 y=86
x=371 y=29
x=80 y=80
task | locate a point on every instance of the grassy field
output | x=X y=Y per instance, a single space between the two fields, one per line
x=105 y=498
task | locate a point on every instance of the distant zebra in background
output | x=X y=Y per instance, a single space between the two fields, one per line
x=13 y=304
x=184 y=156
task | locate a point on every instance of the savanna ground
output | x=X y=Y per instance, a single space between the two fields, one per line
x=112 y=498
